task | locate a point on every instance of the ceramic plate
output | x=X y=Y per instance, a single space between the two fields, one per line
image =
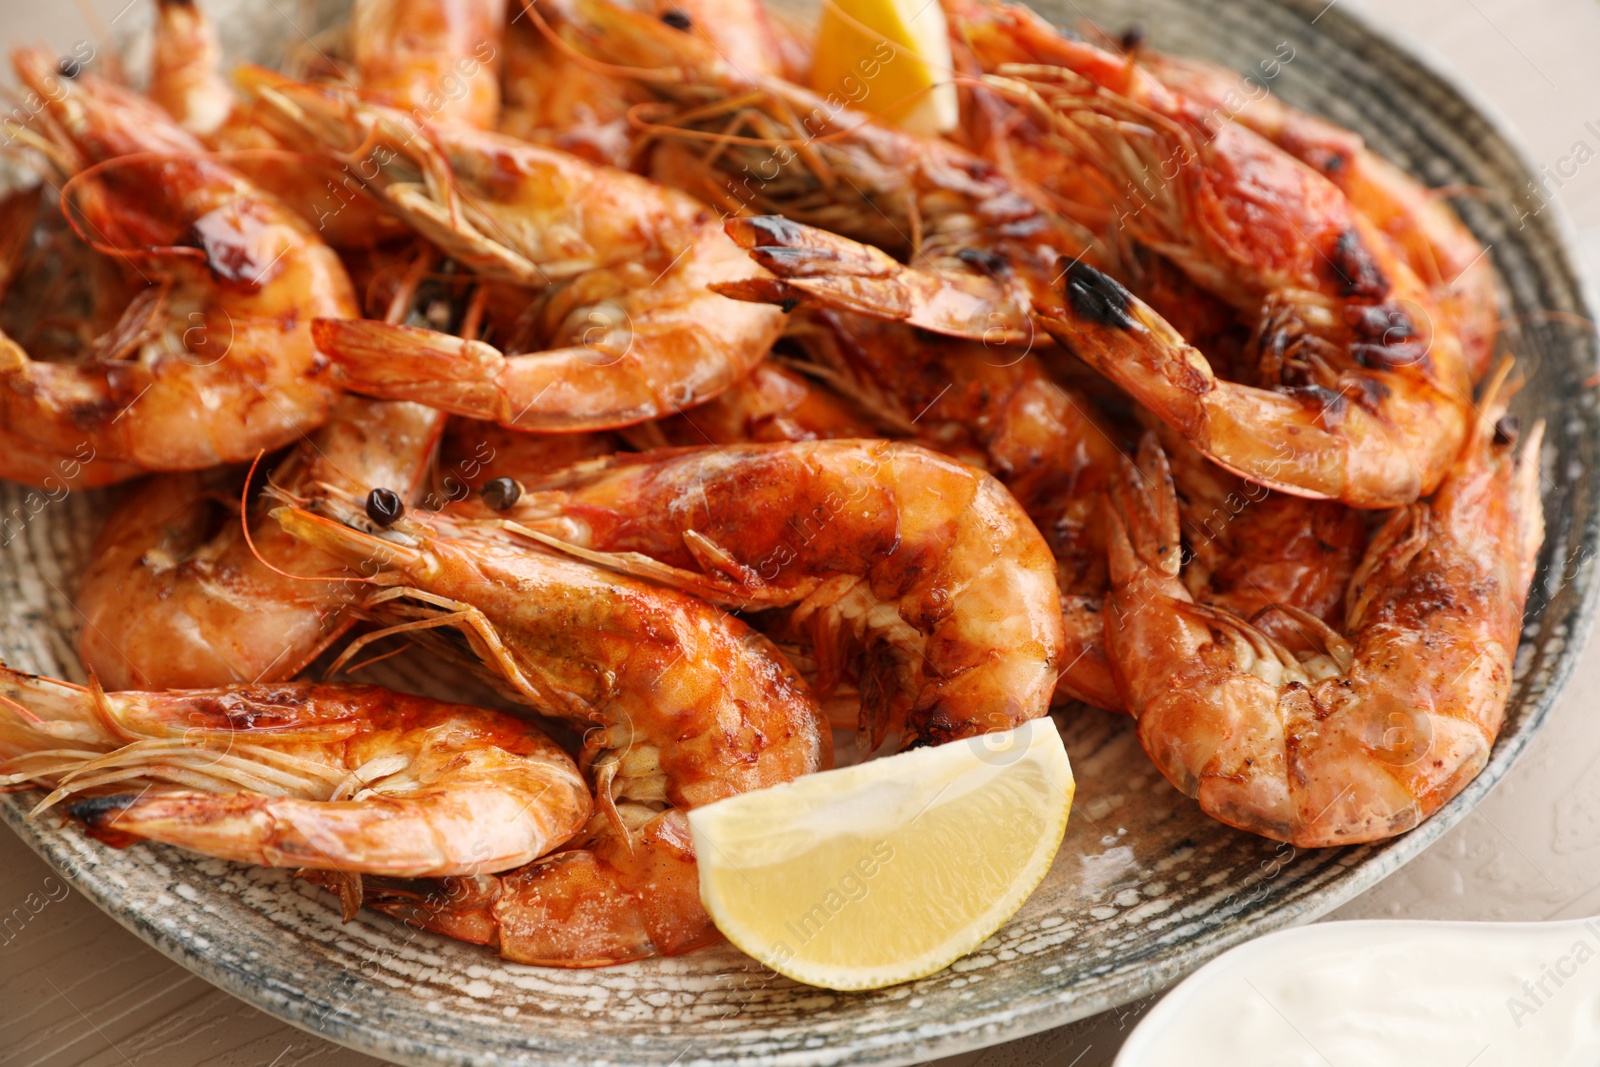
x=1145 y=889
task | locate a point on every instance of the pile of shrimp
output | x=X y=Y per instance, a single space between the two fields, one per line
x=578 y=346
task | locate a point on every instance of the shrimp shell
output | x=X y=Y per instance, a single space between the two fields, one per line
x=353 y=779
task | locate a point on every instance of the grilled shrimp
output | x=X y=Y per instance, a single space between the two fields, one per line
x=554 y=96
x=920 y=577
x=681 y=705
x=172 y=601
x=352 y=779
x=1318 y=736
x=554 y=99
x=1427 y=233
x=623 y=265
x=1251 y=548
x=1340 y=320
x=213 y=361
x=754 y=145
x=439 y=59
x=772 y=403
x=186 y=68
x=1375 y=441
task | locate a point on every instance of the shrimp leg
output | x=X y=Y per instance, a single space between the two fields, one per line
x=1361 y=732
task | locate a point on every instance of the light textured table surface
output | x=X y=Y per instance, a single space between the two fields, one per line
x=76 y=989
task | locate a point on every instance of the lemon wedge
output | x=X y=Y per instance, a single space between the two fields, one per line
x=890 y=58
x=890 y=870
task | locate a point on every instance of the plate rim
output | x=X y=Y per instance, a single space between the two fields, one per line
x=999 y=1026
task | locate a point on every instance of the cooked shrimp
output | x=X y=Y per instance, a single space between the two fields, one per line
x=554 y=97
x=1369 y=438
x=439 y=59
x=682 y=705
x=186 y=68
x=753 y=145
x=215 y=361
x=918 y=576
x=772 y=403
x=631 y=331
x=352 y=779
x=1334 y=307
x=1357 y=734
x=551 y=98
x=1251 y=548
x=174 y=600
x=1446 y=255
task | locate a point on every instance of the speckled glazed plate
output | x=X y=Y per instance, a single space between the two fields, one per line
x=1145 y=889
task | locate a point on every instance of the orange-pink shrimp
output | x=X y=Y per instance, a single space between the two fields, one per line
x=213 y=360
x=1446 y=255
x=353 y=779
x=172 y=600
x=1320 y=736
x=630 y=328
x=1369 y=438
x=439 y=59
x=919 y=577
x=681 y=705
x=1334 y=307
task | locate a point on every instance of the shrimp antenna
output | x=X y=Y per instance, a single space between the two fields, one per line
x=244 y=524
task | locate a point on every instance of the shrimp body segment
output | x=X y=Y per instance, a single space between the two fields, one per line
x=171 y=602
x=1303 y=733
x=919 y=575
x=681 y=703
x=439 y=57
x=353 y=779
x=1368 y=438
x=1439 y=248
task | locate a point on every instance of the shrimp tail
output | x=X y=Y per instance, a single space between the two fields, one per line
x=822 y=269
x=409 y=363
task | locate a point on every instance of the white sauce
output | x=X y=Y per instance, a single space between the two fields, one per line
x=1375 y=994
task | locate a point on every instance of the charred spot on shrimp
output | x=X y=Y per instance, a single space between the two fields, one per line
x=774 y=231
x=990 y=264
x=101 y=812
x=1356 y=269
x=1098 y=296
x=1329 y=405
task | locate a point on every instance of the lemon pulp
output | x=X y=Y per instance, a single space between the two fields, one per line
x=887 y=871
